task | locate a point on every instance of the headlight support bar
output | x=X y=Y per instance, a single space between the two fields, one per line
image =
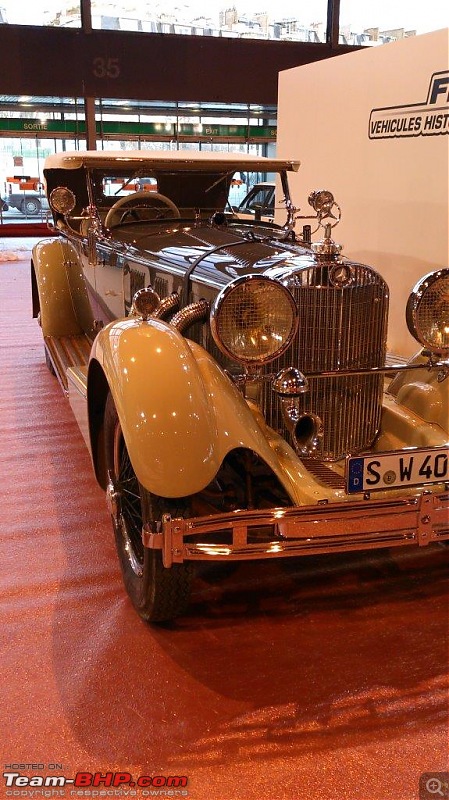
x=442 y=366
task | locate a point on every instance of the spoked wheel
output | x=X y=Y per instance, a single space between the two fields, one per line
x=158 y=594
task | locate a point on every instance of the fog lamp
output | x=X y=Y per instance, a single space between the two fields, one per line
x=145 y=302
x=427 y=311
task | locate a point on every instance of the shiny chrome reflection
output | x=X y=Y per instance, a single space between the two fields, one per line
x=145 y=302
x=427 y=311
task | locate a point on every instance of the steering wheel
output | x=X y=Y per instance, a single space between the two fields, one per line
x=141 y=206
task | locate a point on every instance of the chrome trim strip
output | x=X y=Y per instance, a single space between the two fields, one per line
x=384 y=369
x=200 y=258
x=77 y=378
x=366 y=524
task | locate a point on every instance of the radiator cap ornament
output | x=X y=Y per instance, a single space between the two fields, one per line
x=327 y=247
x=328 y=214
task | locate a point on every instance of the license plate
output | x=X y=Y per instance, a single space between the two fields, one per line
x=397 y=469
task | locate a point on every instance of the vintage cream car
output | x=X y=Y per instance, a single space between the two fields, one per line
x=231 y=378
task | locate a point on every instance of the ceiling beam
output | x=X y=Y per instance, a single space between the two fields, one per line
x=147 y=66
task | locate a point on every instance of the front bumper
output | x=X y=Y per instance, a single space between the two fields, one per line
x=295 y=531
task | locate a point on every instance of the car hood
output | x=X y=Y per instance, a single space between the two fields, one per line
x=218 y=254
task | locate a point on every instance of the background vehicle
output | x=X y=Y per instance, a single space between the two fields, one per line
x=26 y=195
x=258 y=203
x=117 y=187
x=231 y=380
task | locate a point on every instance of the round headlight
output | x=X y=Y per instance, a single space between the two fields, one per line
x=427 y=311
x=254 y=319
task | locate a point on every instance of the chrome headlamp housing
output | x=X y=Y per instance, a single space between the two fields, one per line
x=427 y=311
x=145 y=302
x=254 y=319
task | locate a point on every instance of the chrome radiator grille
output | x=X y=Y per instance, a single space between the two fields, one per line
x=339 y=328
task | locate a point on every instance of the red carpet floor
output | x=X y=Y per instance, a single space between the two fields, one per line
x=325 y=683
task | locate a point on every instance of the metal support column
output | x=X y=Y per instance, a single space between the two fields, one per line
x=333 y=23
x=89 y=102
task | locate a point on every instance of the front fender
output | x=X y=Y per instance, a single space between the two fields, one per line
x=180 y=414
x=424 y=392
x=163 y=409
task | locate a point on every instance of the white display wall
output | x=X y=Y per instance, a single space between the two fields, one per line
x=372 y=126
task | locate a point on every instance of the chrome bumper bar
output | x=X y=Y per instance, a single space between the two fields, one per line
x=295 y=531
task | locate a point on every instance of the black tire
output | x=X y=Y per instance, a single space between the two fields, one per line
x=30 y=206
x=159 y=594
x=216 y=572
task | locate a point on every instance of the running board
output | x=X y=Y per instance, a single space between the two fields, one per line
x=66 y=352
x=77 y=391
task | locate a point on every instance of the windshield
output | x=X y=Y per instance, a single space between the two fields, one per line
x=195 y=191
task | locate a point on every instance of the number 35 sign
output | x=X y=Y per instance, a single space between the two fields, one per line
x=106 y=67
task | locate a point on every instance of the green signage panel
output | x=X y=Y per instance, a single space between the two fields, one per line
x=194 y=131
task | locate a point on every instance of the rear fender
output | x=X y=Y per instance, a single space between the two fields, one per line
x=62 y=300
x=180 y=414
